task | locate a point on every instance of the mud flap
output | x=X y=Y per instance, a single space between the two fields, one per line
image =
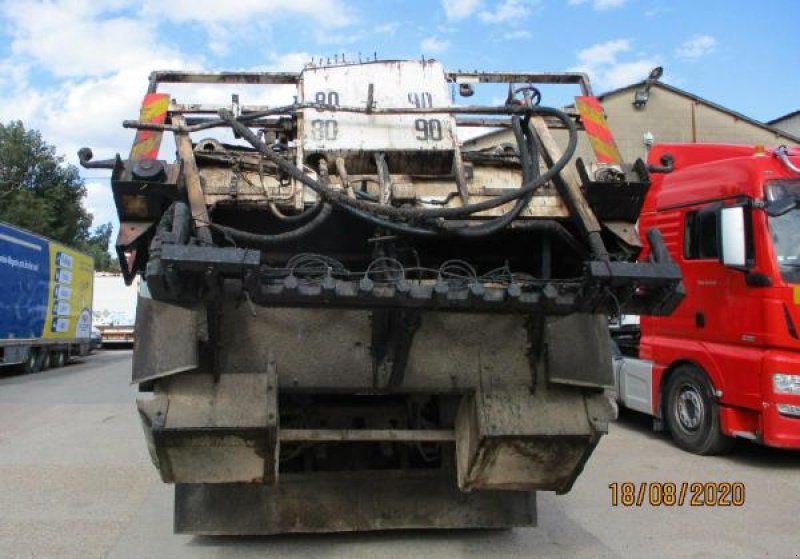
x=579 y=351
x=166 y=340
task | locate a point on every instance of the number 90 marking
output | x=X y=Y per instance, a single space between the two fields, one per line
x=429 y=130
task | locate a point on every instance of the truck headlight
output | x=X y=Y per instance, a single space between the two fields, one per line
x=786 y=384
x=789 y=409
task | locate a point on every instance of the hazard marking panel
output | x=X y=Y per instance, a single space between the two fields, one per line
x=596 y=126
x=147 y=142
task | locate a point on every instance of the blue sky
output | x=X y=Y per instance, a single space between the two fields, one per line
x=75 y=69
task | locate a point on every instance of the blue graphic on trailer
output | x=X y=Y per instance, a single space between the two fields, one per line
x=24 y=283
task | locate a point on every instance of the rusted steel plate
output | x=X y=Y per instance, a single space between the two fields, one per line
x=345 y=502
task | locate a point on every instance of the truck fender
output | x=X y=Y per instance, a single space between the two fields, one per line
x=662 y=375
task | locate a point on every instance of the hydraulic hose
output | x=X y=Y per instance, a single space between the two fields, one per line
x=302 y=216
x=529 y=160
x=342 y=200
x=265 y=240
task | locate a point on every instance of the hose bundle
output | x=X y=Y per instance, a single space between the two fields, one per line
x=424 y=222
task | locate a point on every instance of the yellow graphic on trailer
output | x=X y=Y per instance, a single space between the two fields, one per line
x=69 y=306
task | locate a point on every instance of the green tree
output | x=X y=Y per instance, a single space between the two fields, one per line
x=97 y=246
x=41 y=193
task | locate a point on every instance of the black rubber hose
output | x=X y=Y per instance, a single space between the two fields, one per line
x=293 y=235
x=302 y=216
x=342 y=200
x=526 y=146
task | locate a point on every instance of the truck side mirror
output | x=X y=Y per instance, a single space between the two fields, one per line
x=733 y=239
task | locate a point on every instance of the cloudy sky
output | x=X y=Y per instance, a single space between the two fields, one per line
x=75 y=69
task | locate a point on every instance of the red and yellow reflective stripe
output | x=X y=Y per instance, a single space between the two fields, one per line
x=596 y=126
x=154 y=111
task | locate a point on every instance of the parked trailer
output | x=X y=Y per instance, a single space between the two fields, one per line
x=351 y=324
x=45 y=300
x=726 y=363
x=114 y=309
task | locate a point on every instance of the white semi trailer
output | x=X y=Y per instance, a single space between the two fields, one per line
x=114 y=308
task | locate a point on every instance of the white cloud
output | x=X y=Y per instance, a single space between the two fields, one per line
x=506 y=11
x=74 y=38
x=603 y=53
x=600 y=5
x=100 y=202
x=389 y=29
x=460 y=9
x=602 y=63
x=99 y=54
x=696 y=47
x=327 y=13
x=517 y=35
x=433 y=45
x=248 y=21
x=627 y=73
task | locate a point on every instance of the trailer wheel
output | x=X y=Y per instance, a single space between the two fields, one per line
x=34 y=362
x=58 y=359
x=44 y=357
x=692 y=413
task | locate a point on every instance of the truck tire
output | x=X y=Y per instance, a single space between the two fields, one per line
x=692 y=413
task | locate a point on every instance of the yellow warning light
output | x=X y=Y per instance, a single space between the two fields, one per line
x=759 y=150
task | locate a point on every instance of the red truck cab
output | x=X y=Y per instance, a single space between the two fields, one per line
x=726 y=363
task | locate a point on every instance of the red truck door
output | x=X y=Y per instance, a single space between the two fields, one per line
x=725 y=314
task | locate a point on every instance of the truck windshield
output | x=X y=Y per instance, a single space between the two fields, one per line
x=785 y=228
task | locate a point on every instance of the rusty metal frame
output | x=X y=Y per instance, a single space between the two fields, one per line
x=158 y=77
x=580 y=79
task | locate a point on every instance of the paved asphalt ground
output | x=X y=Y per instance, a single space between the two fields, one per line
x=76 y=481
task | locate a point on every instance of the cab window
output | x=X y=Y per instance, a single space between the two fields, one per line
x=700 y=240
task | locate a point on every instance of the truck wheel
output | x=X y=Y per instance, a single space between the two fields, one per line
x=692 y=413
x=44 y=356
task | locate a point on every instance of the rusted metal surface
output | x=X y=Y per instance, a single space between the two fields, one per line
x=346 y=502
x=591 y=365
x=366 y=435
x=347 y=311
x=257 y=78
x=130 y=231
x=167 y=340
x=574 y=197
x=515 y=440
x=579 y=78
x=193 y=184
x=206 y=431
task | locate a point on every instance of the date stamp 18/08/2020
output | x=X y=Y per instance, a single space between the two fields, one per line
x=677 y=494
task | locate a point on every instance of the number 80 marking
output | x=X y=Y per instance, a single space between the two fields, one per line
x=324 y=129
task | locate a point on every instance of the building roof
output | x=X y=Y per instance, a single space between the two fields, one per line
x=787 y=116
x=697 y=98
x=766 y=126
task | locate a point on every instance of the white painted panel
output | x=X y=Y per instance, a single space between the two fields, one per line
x=404 y=84
x=636 y=382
